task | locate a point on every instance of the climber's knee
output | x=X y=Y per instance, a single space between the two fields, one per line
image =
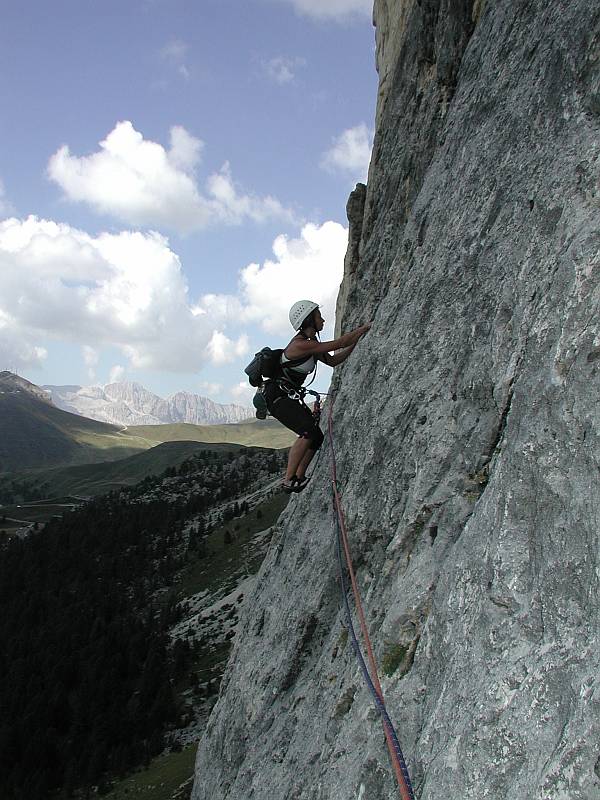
x=315 y=438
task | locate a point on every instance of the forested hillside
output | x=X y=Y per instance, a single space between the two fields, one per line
x=93 y=674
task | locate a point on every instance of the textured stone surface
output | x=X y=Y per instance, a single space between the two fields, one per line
x=467 y=433
x=355 y=211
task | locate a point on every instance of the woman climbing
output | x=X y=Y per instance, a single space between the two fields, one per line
x=285 y=403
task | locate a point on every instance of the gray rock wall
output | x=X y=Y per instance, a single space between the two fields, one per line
x=467 y=434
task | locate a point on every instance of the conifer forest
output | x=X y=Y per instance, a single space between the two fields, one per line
x=91 y=675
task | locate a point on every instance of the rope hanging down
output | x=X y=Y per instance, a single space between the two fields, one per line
x=372 y=678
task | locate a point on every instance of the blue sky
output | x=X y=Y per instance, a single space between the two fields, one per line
x=174 y=173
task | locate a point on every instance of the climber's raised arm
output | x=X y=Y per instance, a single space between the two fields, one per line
x=305 y=343
x=333 y=359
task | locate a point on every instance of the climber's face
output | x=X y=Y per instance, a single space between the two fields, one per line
x=319 y=321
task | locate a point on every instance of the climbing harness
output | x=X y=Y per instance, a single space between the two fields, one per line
x=288 y=385
x=371 y=678
x=299 y=393
x=266 y=366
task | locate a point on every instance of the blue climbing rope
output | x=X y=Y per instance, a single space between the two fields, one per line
x=358 y=653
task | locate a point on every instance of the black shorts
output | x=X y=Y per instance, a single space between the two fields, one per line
x=294 y=414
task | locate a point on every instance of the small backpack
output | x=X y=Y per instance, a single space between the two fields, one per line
x=267 y=365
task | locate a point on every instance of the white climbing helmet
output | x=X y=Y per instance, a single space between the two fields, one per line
x=300 y=311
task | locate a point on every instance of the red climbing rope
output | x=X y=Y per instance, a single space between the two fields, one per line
x=400 y=769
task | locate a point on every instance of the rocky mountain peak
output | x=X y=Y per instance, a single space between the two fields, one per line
x=130 y=403
x=10 y=382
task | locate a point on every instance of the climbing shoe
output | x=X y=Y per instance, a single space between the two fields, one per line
x=295 y=484
x=299 y=483
x=288 y=486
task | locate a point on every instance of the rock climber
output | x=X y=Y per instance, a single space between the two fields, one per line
x=283 y=399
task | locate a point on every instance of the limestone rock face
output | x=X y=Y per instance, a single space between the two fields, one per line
x=129 y=403
x=355 y=210
x=198 y=410
x=467 y=432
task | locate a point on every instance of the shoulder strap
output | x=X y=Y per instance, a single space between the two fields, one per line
x=297 y=361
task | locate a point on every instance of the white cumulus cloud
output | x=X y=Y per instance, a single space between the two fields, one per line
x=125 y=290
x=242 y=392
x=350 y=153
x=16 y=350
x=128 y=291
x=141 y=183
x=332 y=9
x=223 y=350
x=309 y=267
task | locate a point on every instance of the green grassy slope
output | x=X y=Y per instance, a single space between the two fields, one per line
x=168 y=777
x=259 y=433
x=34 y=433
x=95 y=479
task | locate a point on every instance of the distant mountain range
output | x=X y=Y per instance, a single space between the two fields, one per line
x=35 y=433
x=129 y=403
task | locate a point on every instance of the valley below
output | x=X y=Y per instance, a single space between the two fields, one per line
x=165 y=540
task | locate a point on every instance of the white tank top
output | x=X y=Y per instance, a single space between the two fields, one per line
x=305 y=368
x=299 y=372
